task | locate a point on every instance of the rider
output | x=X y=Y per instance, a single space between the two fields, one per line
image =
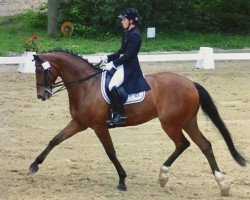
x=124 y=65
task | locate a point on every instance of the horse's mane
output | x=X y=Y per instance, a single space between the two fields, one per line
x=74 y=54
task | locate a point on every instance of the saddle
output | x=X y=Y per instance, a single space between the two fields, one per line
x=126 y=98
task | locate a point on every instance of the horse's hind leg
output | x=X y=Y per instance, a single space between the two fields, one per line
x=206 y=148
x=71 y=129
x=181 y=143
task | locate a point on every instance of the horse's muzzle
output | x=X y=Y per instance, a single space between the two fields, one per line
x=47 y=94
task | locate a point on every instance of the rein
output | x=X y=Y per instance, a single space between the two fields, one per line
x=72 y=83
x=64 y=86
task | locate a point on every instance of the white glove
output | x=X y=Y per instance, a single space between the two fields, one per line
x=108 y=66
x=104 y=61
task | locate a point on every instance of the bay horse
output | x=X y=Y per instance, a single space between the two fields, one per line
x=173 y=99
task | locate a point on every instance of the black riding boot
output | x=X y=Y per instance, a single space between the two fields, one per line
x=118 y=113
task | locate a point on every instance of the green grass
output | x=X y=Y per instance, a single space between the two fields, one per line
x=185 y=41
x=14 y=29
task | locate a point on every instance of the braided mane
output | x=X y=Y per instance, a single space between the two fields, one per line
x=74 y=54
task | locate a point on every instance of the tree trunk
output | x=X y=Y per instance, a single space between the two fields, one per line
x=53 y=17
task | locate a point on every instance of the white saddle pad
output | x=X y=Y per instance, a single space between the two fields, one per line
x=132 y=98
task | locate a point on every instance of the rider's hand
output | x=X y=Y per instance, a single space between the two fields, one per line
x=108 y=66
x=104 y=61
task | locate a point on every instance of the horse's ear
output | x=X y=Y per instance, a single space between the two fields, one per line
x=38 y=58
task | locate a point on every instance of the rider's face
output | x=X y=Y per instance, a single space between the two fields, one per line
x=126 y=23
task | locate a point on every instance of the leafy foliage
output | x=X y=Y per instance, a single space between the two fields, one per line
x=92 y=17
x=36 y=19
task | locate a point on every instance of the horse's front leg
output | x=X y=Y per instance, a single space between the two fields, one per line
x=104 y=136
x=71 y=129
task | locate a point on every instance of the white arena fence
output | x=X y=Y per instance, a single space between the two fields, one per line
x=204 y=58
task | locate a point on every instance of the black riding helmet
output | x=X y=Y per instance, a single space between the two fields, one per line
x=130 y=14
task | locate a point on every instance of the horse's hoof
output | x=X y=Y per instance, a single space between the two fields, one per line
x=163 y=176
x=225 y=191
x=122 y=187
x=33 y=168
x=163 y=180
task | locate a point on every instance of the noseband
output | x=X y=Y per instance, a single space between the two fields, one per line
x=46 y=80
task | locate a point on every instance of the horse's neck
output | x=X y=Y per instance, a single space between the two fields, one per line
x=76 y=71
x=71 y=69
x=79 y=74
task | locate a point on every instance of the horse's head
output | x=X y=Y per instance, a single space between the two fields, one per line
x=72 y=69
x=45 y=77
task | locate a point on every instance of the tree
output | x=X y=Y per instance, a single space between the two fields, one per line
x=53 y=17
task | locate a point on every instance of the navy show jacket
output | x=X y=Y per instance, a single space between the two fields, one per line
x=134 y=82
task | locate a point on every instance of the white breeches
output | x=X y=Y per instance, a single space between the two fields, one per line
x=117 y=78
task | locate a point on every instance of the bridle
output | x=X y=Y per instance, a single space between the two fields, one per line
x=49 y=85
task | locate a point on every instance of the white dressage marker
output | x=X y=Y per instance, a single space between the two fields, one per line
x=206 y=60
x=28 y=65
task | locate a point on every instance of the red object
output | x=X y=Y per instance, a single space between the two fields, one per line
x=26 y=40
x=34 y=37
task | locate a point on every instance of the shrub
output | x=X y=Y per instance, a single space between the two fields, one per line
x=36 y=19
x=97 y=17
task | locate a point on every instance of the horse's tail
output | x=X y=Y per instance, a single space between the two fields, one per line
x=210 y=109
